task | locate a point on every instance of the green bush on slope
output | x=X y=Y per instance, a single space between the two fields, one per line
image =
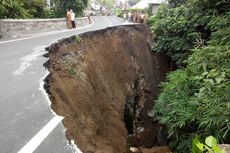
x=173 y=32
x=195 y=99
x=220 y=26
x=177 y=30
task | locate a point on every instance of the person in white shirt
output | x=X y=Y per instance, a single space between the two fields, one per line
x=129 y=16
x=73 y=19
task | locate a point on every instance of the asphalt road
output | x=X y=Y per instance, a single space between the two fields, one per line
x=27 y=123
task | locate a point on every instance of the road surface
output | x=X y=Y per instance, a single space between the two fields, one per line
x=27 y=123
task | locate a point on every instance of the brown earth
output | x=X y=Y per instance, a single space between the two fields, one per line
x=104 y=83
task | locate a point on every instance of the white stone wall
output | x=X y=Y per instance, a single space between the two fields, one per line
x=14 y=27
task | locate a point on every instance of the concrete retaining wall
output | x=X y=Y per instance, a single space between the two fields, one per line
x=16 y=27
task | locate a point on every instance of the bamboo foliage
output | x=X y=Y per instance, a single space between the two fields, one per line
x=12 y=9
x=195 y=99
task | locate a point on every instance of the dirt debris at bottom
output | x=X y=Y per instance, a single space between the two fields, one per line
x=155 y=149
x=104 y=83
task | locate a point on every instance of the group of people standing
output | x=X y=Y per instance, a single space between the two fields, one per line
x=136 y=17
x=70 y=18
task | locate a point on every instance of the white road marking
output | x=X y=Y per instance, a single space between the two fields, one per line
x=41 y=87
x=87 y=26
x=74 y=147
x=38 y=35
x=129 y=23
x=110 y=23
x=118 y=18
x=48 y=33
x=41 y=135
x=27 y=60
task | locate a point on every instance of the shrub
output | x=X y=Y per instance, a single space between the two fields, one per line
x=196 y=100
x=177 y=30
x=175 y=3
x=174 y=33
x=210 y=145
x=13 y=9
x=220 y=25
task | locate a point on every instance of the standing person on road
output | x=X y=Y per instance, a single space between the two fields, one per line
x=68 y=20
x=73 y=19
x=146 y=18
x=129 y=16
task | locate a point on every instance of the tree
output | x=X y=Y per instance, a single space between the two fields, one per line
x=22 y=8
x=76 y=5
x=108 y=4
x=13 y=9
x=133 y=2
x=35 y=7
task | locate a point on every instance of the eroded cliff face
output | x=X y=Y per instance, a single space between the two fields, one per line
x=104 y=83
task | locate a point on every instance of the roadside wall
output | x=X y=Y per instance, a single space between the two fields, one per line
x=17 y=27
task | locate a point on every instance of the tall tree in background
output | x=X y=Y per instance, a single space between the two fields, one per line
x=22 y=8
x=133 y=2
x=76 y=5
x=108 y=4
x=35 y=8
x=13 y=9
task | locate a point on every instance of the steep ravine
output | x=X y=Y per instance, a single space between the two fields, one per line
x=104 y=83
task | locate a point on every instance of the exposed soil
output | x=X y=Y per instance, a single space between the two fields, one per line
x=104 y=83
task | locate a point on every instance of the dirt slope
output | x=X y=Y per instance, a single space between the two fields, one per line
x=101 y=79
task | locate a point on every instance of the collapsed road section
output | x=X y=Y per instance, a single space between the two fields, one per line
x=104 y=83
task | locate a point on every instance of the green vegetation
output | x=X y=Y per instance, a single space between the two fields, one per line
x=195 y=99
x=174 y=34
x=78 y=38
x=76 y=5
x=38 y=8
x=175 y=3
x=210 y=146
x=12 y=9
x=71 y=72
x=108 y=4
x=177 y=30
x=118 y=12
